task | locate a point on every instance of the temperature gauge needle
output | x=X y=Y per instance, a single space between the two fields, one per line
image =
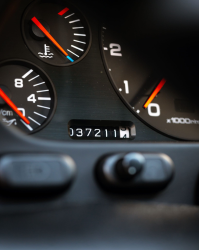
x=12 y=105
x=41 y=27
x=155 y=92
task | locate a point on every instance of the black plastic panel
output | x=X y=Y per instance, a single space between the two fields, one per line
x=109 y=227
x=181 y=190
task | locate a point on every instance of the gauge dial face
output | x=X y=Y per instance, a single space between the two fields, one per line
x=56 y=32
x=168 y=105
x=26 y=89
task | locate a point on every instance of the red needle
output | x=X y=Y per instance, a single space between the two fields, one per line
x=41 y=27
x=155 y=92
x=11 y=104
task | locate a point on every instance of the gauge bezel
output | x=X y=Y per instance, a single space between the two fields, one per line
x=44 y=76
x=88 y=30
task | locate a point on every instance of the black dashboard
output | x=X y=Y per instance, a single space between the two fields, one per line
x=99 y=124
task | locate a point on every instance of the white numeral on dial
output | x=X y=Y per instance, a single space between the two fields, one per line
x=31 y=98
x=22 y=111
x=115 y=48
x=157 y=109
x=126 y=84
x=18 y=83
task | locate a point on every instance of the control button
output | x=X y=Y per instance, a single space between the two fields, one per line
x=135 y=172
x=36 y=173
x=129 y=166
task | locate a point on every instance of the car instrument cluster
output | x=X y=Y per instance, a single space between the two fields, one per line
x=57 y=77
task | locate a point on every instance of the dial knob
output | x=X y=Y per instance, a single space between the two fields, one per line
x=129 y=166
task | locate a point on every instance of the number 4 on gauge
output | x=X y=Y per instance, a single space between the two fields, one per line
x=31 y=98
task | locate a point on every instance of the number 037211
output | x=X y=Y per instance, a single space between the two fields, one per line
x=79 y=130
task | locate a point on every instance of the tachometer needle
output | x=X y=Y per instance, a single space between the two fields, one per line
x=48 y=35
x=155 y=92
x=12 y=105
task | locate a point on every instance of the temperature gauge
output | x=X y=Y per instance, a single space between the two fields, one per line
x=56 y=32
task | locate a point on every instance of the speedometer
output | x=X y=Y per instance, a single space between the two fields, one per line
x=166 y=104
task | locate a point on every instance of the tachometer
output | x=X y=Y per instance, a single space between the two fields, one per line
x=168 y=105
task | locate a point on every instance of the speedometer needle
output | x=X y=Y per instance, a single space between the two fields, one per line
x=154 y=93
x=12 y=105
x=48 y=35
